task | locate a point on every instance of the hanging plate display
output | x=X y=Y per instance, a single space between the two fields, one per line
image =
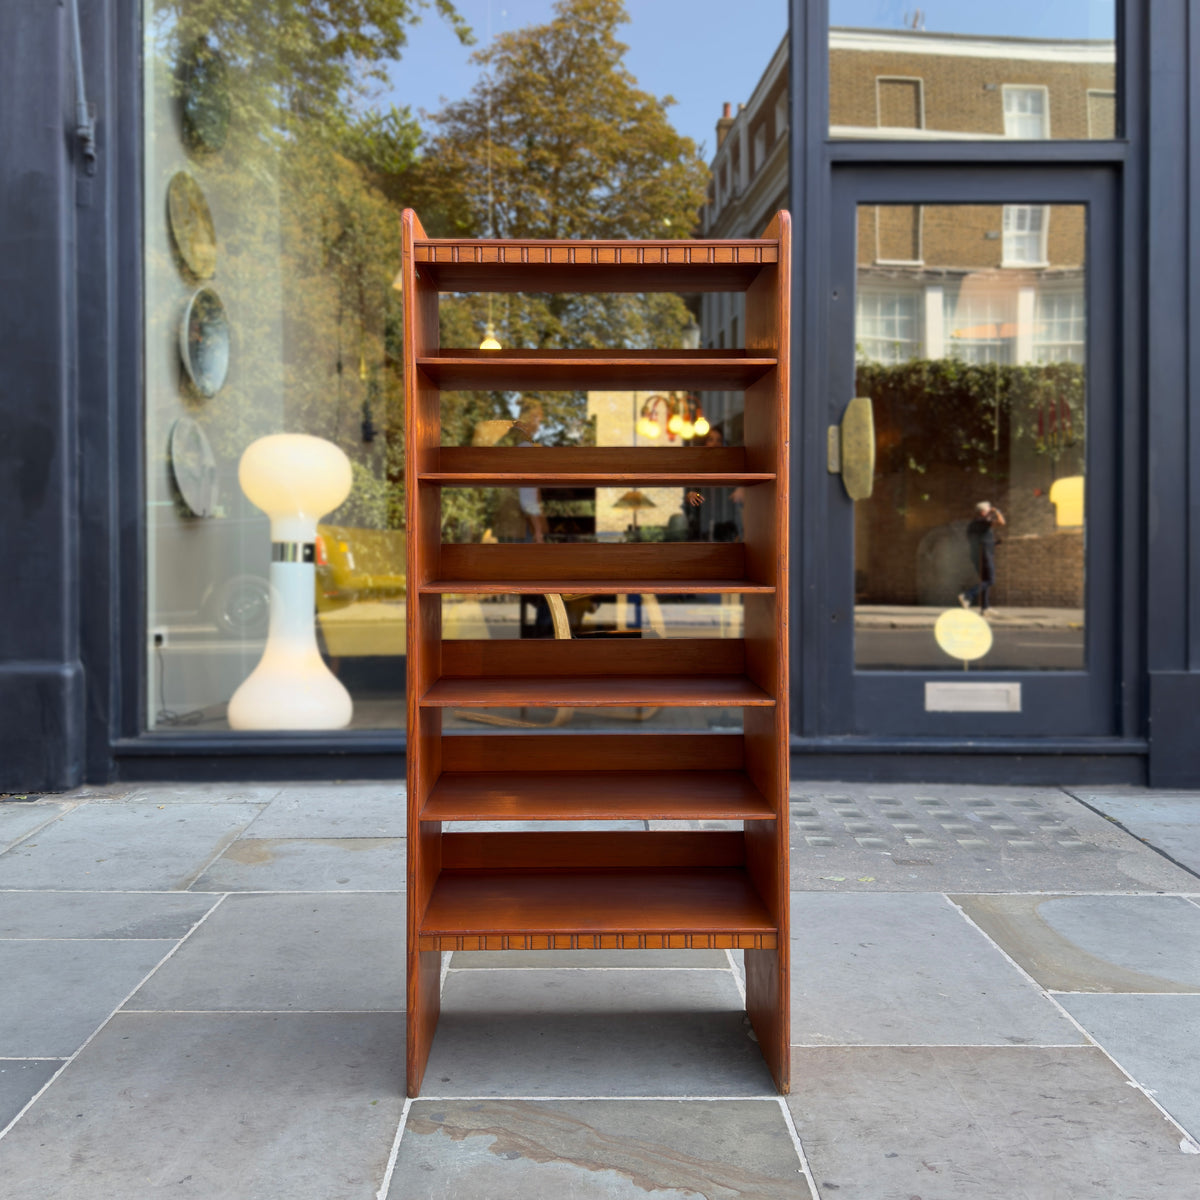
x=191 y=225
x=204 y=341
x=194 y=467
x=203 y=97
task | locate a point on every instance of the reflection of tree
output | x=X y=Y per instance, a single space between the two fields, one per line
x=309 y=237
x=294 y=59
x=556 y=141
x=309 y=184
x=934 y=413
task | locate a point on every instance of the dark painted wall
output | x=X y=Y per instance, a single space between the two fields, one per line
x=1172 y=392
x=41 y=678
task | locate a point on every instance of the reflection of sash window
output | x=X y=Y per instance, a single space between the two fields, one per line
x=1025 y=234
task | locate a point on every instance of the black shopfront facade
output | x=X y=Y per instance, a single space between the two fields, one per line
x=94 y=650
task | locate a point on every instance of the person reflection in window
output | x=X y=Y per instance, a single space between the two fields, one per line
x=981 y=537
x=522 y=433
x=695 y=497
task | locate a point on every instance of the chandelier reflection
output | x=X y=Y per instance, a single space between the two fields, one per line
x=675 y=414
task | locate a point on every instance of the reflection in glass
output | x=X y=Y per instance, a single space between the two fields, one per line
x=1028 y=69
x=594 y=618
x=642 y=513
x=974 y=361
x=309 y=131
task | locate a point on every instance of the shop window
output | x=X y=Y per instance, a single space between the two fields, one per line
x=282 y=140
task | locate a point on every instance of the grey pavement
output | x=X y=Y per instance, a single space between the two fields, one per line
x=995 y=993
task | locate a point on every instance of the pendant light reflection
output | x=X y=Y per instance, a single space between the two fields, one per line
x=489 y=339
x=681 y=416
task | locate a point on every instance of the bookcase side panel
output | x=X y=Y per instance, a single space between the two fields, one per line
x=422 y=437
x=766 y=635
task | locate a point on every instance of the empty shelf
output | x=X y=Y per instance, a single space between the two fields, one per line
x=594 y=587
x=569 y=466
x=595 y=795
x=571 y=370
x=624 y=908
x=597 y=691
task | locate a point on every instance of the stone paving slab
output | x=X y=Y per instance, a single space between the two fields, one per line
x=131 y=846
x=943 y=837
x=1170 y=821
x=1096 y=943
x=1154 y=1038
x=950 y=1123
x=208 y=1107
x=100 y=914
x=19 y=820
x=55 y=995
x=597 y=1150
x=594 y=1033
x=334 y=810
x=321 y=952
x=20 y=1081
x=308 y=865
x=198 y=793
x=907 y=969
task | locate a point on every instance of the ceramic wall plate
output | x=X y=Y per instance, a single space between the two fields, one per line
x=204 y=341
x=191 y=225
x=194 y=467
x=203 y=97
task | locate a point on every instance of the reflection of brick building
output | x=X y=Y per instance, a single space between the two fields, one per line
x=981 y=284
x=908 y=83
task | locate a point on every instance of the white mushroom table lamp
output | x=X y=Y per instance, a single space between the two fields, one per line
x=295 y=479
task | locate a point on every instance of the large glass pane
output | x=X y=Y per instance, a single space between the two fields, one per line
x=1028 y=69
x=283 y=139
x=973 y=359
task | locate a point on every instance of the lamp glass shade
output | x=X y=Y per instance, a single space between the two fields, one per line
x=295 y=479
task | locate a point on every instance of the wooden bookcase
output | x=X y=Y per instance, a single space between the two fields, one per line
x=567 y=890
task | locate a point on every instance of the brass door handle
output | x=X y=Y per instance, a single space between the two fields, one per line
x=850 y=449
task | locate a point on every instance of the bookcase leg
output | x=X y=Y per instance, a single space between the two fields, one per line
x=424 y=1005
x=767 y=1006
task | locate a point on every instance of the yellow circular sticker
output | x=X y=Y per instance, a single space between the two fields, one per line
x=963 y=634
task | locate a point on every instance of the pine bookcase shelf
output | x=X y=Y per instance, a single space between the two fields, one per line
x=568 y=886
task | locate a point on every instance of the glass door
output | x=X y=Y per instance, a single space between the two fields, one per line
x=971 y=487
